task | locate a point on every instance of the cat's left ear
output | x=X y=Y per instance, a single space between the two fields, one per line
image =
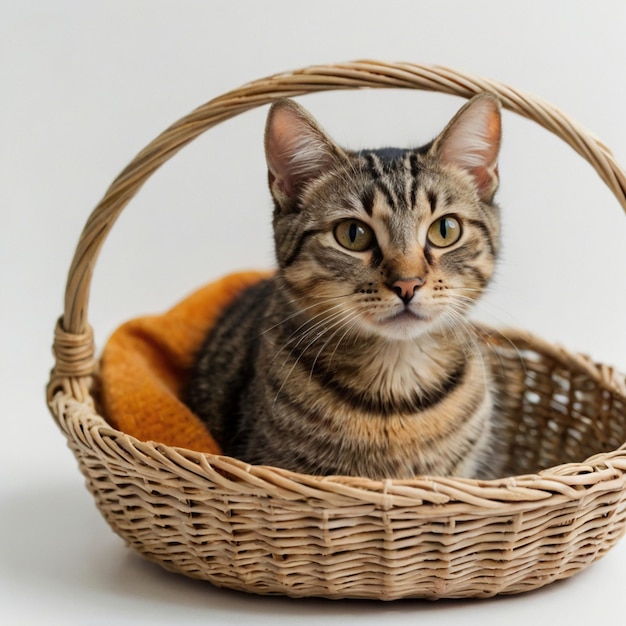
x=297 y=150
x=471 y=142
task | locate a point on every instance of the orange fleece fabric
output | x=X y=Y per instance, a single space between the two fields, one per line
x=146 y=362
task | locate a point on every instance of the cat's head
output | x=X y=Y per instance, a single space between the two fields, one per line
x=392 y=242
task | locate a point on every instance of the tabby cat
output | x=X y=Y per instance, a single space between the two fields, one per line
x=356 y=357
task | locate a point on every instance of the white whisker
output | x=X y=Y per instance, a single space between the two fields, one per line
x=308 y=331
x=350 y=316
x=325 y=328
x=299 y=311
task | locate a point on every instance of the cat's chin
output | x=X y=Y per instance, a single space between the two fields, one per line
x=402 y=326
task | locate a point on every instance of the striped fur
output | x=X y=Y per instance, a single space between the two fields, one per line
x=361 y=362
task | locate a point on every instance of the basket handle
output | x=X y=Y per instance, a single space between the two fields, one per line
x=73 y=345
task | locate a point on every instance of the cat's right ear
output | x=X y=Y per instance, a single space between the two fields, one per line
x=297 y=150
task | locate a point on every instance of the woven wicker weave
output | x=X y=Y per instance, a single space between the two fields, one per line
x=267 y=530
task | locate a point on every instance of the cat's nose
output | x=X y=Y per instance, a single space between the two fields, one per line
x=405 y=288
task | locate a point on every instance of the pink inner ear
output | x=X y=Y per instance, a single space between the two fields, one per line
x=279 y=149
x=296 y=149
x=472 y=142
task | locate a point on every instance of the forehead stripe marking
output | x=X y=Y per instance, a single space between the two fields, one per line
x=378 y=176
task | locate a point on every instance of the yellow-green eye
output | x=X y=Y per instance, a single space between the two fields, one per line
x=354 y=235
x=444 y=232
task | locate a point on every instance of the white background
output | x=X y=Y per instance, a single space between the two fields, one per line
x=85 y=85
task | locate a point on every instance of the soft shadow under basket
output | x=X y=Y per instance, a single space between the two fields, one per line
x=266 y=530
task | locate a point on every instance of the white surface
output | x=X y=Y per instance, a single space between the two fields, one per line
x=85 y=85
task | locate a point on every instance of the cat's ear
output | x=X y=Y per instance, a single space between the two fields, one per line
x=297 y=150
x=471 y=141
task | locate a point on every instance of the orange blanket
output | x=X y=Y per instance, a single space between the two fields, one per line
x=146 y=361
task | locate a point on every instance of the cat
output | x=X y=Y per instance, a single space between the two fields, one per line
x=356 y=357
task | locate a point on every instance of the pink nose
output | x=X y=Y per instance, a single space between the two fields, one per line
x=406 y=288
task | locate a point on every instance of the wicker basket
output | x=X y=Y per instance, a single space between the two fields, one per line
x=267 y=530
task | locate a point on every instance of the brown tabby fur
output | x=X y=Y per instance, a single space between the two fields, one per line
x=361 y=362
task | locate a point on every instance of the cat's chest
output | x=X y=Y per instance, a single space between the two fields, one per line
x=396 y=412
x=373 y=382
x=398 y=368
x=375 y=408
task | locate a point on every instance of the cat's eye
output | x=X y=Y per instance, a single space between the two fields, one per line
x=444 y=232
x=354 y=235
